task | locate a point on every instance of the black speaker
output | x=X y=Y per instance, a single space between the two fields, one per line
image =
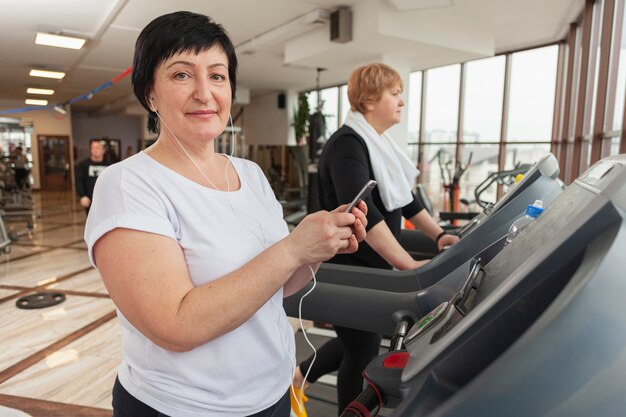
x=281 y=101
x=341 y=25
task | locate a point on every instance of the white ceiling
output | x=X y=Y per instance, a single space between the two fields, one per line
x=421 y=37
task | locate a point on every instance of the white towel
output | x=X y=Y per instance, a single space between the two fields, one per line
x=393 y=170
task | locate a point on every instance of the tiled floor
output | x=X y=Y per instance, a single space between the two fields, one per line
x=62 y=360
x=59 y=360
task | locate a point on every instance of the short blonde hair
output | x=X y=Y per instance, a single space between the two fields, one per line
x=367 y=84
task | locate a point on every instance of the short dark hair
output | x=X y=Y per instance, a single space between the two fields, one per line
x=168 y=35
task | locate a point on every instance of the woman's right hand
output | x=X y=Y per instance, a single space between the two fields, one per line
x=323 y=234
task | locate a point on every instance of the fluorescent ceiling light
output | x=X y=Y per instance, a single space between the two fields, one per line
x=26 y=122
x=9 y=120
x=60 y=109
x=42 y=91
x=34 y=102
x=46 y=74
x=59 y=41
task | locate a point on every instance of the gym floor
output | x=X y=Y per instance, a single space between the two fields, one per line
x=62 y=360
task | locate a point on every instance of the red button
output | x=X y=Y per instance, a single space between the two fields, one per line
x=396 y=360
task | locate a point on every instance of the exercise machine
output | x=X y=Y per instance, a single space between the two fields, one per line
x=451 y=182
x=341 y=287
x=531 y=329
x=543 y=330
x=540 y=182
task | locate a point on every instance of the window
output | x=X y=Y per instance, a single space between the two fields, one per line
x=484 y=162
x=484 y=89
x=13 y=135
x=518 y=154
x=530 y=117
x=617 y=79
x=442 y=104
x=345 y=104
x=438 y=159
x=592 y=76
x=330 y=108
x=531 y=103
x=312 y=100
x=615 y=146
x=413 y=113
x=578 y=51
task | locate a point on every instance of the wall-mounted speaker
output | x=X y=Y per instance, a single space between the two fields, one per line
x=281 y=101
x=341 y=25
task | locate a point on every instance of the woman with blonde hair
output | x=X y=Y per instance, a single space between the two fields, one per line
x=360 y=151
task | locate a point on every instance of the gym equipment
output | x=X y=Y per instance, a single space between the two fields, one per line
x=533 y=329
x=451 y=181
x=5 y=241
x=539 y=179
x=16 y=204
x=506 y=177
x=341 y=286
x=39 y=300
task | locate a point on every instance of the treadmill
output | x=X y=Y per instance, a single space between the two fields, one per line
x=538 y=178
x=536 y=329
x=340 y=287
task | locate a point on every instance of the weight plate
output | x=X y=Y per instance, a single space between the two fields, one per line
x=40 y=300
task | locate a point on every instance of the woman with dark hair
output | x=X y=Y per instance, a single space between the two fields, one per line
x=192 y=247
x=360 y=151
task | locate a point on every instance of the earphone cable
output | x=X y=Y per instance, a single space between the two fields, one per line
x=262 y=245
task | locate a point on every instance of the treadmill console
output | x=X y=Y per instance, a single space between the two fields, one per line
x=547 y=166
x=502 y=298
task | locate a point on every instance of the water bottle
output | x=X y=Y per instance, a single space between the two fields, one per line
x=518 y=225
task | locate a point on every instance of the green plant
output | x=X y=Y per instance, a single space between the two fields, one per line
x=301 y=116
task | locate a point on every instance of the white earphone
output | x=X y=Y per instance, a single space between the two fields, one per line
x=263 y=244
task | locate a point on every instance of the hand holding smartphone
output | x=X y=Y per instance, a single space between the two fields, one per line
x=367 y=188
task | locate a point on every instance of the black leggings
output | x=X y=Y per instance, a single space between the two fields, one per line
x=125 y=405
x=349 y=353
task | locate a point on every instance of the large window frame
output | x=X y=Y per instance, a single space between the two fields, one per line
x=585 y=99
x=501 y=141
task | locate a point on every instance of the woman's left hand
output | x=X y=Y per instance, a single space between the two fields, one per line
x=446 y=240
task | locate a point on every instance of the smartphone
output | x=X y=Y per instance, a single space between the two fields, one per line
x=367 y=188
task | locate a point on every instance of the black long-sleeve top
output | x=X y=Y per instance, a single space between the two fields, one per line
x=344 y=167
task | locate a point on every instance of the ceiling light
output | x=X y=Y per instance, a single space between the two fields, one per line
x=46 y=74
x=10 y=120
x=26 y=122
x=59 y=41
x=34 y=102
x=59 y=108
x=42 y=91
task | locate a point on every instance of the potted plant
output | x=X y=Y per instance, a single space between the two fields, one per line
x=301 y=119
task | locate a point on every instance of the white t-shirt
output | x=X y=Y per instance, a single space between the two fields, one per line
x=242 y=372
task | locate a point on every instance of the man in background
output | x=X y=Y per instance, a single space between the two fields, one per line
x=21 y=168
x=87 y=171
